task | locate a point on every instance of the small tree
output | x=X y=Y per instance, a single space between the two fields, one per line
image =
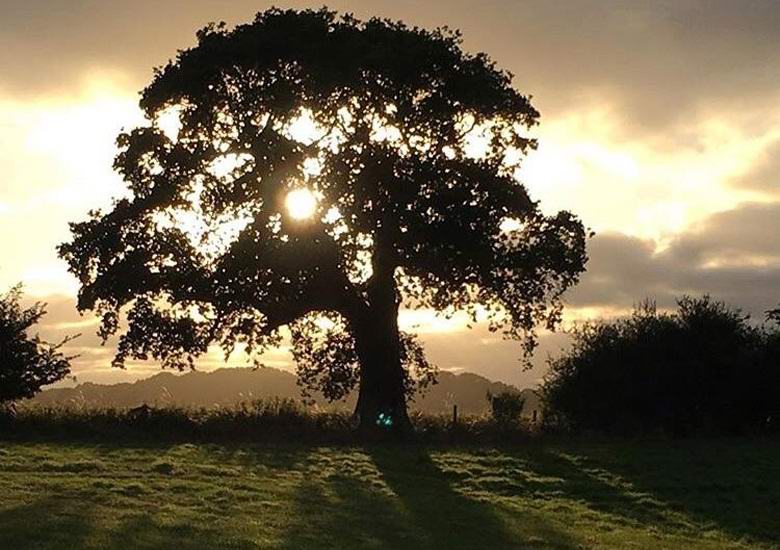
x=26 y=363
x=324 y=168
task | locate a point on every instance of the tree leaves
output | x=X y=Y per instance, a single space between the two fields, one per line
x=26 y=363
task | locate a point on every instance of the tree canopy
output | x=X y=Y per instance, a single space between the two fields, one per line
x=27 y=363
x=405 y=147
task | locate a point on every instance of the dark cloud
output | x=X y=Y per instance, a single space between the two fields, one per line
x=657 y=61
x=733 y=255
x=46 y=47
x=764 y=175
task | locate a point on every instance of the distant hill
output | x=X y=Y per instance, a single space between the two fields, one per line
x=229 y=386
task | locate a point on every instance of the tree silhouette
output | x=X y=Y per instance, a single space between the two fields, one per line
x=704 y=368
x=26 y=363
x=404 y=148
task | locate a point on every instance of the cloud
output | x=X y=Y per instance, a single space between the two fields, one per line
x=764 y=174
x=56 y=155
x=589 y=162
x=650 y=111
x=732 y=255
x=658 y=61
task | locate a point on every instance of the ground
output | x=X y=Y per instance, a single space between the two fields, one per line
x=610 y=494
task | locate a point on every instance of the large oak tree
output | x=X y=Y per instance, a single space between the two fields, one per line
x=404 y=148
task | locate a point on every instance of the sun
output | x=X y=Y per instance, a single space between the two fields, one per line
x=300 y=204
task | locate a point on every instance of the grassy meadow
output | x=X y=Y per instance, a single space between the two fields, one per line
x=543 y=494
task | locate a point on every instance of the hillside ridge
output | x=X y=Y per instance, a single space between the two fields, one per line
x=230 y=385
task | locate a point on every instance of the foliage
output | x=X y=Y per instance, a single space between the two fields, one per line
x=271 y=420
x=327 y=362
x=704 y=367
x=773 y=315
x=202 y=249
x=506 y=406
x=26 y=363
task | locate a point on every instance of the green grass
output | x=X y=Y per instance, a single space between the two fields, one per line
x=546 y=494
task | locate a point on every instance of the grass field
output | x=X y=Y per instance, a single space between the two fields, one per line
x=688 y=494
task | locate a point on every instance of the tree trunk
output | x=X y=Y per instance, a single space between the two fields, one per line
x=381 y=405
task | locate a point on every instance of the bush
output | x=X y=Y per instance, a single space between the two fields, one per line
x=704 y=368
x=506 y=407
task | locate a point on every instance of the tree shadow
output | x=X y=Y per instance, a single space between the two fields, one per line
x=144 y=531
x=67 y=524
x=270 y=456
x=399 y=498
x=451 y=519
x=578 y=479
x=339 y=503
x=345 y=514
x=730 y=486
x=403 y=497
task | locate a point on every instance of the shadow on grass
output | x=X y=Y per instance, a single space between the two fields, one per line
x=46 y=524
x=729 y=485
x=406 y=502
x=450 y=519
x=690 y=488
x=345 y=514
x=59 y=523
x=144 y=531
x=404 y=497
x=577 y=479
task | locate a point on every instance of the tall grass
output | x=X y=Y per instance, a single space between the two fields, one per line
x=256 y=421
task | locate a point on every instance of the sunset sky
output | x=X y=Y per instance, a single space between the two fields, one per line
x=660 y=128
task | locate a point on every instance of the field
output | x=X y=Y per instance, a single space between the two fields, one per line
x=545 y=494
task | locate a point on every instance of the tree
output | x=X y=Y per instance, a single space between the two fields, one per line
x=322 y=171
x=26 y=363
x=702 y=368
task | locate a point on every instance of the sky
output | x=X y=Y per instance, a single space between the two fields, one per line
x=660 y=128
